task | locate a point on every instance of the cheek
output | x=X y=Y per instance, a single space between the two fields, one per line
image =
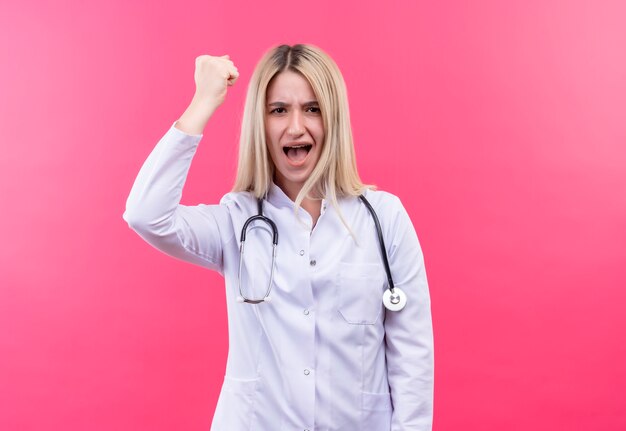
x=321 y=135
x=272 y=136
x=318 y=130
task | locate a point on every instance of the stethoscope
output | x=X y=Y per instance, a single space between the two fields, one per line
x=394 y=298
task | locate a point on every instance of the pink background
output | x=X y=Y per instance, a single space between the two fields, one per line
x=501 y=125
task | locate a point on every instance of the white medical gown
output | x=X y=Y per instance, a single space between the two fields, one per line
x=324 y=354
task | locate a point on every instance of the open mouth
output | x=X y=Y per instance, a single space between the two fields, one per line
x=297 y=153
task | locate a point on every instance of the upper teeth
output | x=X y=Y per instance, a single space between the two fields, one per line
x=296 y=146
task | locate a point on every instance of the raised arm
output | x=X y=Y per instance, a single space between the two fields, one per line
x=153 y=210
x=213 y=75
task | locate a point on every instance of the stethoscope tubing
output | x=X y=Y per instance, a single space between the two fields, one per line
x=381 y=241
x=269 y=221
x=393 y=299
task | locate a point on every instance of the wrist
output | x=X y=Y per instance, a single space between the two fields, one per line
x=203 y=106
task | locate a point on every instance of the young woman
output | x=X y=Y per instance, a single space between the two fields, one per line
x=312 y=346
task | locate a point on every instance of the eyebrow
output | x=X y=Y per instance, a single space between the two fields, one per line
x=283 y=104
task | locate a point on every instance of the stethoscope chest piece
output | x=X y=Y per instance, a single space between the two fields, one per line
x=394 y=301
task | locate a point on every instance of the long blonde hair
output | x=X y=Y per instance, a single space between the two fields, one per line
x=335 y=174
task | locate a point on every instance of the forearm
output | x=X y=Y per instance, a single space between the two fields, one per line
x=196 y=116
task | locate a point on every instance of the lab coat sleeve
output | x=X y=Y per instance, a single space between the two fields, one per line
x=408 y=333
x=153 y=209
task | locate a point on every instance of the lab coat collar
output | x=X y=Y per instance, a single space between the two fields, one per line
x=279 y=199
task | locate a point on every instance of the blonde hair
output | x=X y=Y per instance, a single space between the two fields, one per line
x=335 y=174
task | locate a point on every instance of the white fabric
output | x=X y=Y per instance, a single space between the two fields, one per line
x=324 y=354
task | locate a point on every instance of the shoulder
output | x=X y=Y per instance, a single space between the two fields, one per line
x=239 y=201
x=390 y=211
x=230 y=204
x=384 y=202
x=397 y=226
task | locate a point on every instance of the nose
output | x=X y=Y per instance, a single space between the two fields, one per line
x=296 y=125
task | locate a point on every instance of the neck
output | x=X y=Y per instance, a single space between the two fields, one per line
x=311 y=206
x=290 y=189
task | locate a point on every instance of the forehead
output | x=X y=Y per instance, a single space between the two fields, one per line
x=289 y=85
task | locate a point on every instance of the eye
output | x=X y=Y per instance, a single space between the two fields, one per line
x=277 y=111
x=314 y=109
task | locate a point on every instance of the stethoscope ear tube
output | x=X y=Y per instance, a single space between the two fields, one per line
x=265 y=219
x=259 y=216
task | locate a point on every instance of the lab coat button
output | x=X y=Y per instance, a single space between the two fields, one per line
x=313 y=262
x=301 y=252
x=306 y=312
x=306 y=372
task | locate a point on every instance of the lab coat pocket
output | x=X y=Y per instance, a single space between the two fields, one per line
x=360 y=292
x=376 y=411
x=235 y=406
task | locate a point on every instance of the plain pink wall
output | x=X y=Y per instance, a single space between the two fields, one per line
x=501 y=125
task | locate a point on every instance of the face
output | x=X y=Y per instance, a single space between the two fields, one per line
x=294 y=130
